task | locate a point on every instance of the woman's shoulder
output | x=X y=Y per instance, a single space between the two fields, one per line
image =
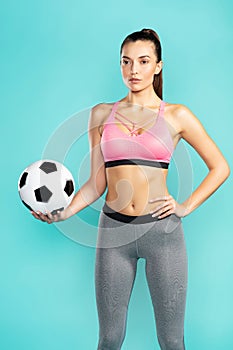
x=102 y=107
x=175 y=108
x=182 y=117
x=99 y=114
x=178 y=115
x=177 y=111
x=101 y=110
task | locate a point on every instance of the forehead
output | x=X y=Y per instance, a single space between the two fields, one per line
x=138 y=48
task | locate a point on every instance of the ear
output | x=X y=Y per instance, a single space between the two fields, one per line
x=159 y=67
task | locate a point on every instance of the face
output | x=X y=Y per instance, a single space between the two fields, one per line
x=138 y=64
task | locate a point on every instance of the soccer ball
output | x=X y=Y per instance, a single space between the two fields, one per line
x=46 y=185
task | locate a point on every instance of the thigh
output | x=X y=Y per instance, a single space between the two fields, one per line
x=115 y=270
x=114 y=277
x=166 y=271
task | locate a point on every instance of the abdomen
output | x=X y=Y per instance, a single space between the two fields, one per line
x=130 y=187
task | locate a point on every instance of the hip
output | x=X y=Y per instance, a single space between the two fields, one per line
x=117 y=229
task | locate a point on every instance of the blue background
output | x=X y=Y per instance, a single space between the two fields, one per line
x=61 y=57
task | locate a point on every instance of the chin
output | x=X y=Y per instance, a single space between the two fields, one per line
x=135 y=89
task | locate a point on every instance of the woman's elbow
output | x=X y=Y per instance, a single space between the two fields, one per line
x=100 y=189
x=224 y=170
x=227 y=171
x=99 y=186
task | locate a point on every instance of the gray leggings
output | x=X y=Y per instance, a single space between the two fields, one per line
x=120 y=244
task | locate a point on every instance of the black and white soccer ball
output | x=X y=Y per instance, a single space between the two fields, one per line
x=46 y=185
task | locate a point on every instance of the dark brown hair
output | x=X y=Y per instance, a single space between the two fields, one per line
x=151 y=35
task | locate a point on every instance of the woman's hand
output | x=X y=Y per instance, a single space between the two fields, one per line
x=49 y=218
x=169 y=206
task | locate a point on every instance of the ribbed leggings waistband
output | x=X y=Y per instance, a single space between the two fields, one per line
x=141 y=219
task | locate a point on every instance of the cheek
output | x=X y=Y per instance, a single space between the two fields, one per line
x=125 y=73
x=125 y=70
x=149 y=72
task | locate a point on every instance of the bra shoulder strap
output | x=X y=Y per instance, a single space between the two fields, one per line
x=162 y=107
x=114 y=108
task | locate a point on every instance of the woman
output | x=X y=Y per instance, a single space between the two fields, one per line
x=132 y=142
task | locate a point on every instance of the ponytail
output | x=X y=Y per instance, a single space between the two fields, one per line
x=158 y=84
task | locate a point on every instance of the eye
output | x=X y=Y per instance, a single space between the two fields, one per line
x=144 y=61
x=125 y=61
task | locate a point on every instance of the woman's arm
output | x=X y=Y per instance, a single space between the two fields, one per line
x=194 y=133
x=95 y=186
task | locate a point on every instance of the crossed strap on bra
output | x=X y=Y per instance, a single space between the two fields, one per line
x=134 y=128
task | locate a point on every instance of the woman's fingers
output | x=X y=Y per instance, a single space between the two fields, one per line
x=35 y=215
x=48 y=217
x=40 y=216
x=159 y=207
x=164 y=198
x=164 y=209
x=169 y=206
x=163 y=215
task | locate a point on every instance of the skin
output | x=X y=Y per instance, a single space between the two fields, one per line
x=139 y=190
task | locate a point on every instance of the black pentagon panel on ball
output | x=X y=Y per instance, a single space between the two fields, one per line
x=26 y=205
x=69 y=187
x=48 y=167
x=22 y=180
x=43 y=194
x=54 y=212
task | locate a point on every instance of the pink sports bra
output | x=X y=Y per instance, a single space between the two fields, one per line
x=153 y=147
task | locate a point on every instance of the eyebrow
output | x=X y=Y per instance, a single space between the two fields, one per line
x=138 y=57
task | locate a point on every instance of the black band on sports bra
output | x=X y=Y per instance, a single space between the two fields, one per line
x=153 y=163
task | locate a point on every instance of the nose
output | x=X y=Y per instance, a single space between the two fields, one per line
x=134 y=68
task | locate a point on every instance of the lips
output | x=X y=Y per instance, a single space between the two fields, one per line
x=133 y=80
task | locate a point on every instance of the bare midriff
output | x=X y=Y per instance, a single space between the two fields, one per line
x=130 y=187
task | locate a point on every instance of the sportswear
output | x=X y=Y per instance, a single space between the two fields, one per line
x=153 y=147
x=162 y=247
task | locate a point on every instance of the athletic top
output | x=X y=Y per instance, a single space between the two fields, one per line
x=153 y=147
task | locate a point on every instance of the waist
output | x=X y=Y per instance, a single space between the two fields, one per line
x=134 y=219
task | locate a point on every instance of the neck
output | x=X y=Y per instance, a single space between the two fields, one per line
x=143 y=98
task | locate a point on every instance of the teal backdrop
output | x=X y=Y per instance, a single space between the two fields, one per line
x=58 y=59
